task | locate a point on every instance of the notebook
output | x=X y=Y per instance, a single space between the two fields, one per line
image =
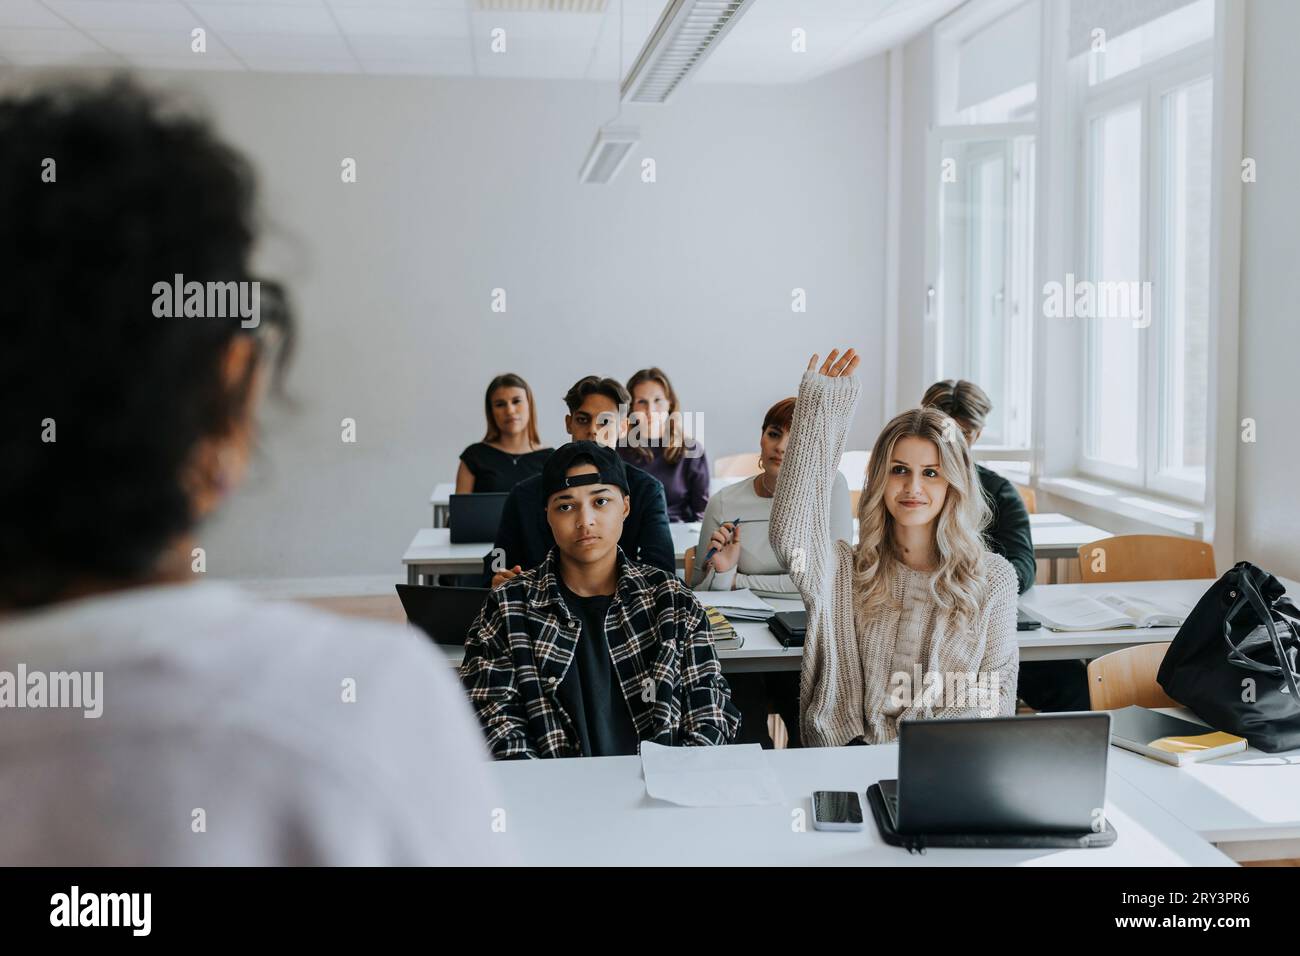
x=741 y=604
x=725 y=637
x=1082 y=612
x=1170 y=739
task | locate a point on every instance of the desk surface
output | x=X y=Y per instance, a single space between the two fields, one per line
x=1247 y=803
x=1055 y=535
x=594 y=811
x=762 y=652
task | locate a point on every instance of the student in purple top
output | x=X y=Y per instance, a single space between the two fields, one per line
x=658 y=444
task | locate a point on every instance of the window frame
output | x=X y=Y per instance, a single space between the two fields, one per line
x=1146 y=86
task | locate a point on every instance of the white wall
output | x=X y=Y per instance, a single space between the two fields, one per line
x=1268 y=471
x=468 y=185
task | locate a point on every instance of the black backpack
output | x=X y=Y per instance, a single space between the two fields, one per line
x=1234 y=663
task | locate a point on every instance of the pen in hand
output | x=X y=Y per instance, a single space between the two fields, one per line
x=714 y=550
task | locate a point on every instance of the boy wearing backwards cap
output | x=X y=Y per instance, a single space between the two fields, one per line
x=589 y=653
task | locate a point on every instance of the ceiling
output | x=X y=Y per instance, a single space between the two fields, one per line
x=444 y=37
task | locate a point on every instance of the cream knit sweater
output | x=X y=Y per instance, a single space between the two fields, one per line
x=861 y=681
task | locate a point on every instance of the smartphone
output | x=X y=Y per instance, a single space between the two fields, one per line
x=836 y=810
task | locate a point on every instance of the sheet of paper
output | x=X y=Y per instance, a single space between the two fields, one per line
x=741 y=599
x=734 y=776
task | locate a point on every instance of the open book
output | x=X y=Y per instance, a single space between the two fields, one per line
x=1081 y=612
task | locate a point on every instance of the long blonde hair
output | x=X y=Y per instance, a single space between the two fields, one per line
x=957 y=587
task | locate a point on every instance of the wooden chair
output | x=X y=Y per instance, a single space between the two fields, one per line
x=1146 y=557
x=737 y=466
x=688 y=564
x=1128 y=676
x=1029 y=498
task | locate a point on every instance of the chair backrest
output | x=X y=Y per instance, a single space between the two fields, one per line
x=1145 y=557
x=737 y=466
x=688 y=562
x=1030 y=499
x=1128 y=676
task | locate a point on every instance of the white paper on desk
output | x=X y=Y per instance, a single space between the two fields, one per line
x=741 y=603
x=733 y=776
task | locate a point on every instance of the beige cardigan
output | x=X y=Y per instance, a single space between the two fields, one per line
x=860 y=682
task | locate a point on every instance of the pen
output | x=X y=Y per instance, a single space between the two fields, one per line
x=713 y=551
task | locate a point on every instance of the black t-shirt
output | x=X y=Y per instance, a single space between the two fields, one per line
x=496 y=470
x=590 y=691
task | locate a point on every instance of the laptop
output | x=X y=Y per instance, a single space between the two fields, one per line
x=1013 y=782
x=473 y=519
x=445 y=614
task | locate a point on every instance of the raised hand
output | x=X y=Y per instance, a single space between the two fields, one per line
x=837 y=365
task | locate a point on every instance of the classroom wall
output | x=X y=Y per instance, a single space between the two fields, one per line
x=917 y=86
x=465 y=186
x=1268 y=471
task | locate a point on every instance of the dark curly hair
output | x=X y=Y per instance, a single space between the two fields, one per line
x=141 y=192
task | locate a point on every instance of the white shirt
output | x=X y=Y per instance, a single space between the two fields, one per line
x=759 y=568
x=226 y=739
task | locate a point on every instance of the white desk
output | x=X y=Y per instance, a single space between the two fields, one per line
x=1247 y=804
x=761 y=650
x=594 y=811
x=440 y=497
x=431 y=552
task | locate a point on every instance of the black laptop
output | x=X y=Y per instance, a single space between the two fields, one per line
x=445 y=614
x=998 y=782
x=473 y=519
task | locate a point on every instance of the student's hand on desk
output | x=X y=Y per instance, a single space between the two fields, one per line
x=727 y=540
x=501 y=577
x=836 y=365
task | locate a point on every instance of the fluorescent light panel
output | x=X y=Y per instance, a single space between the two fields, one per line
x=609 y=151
x=685 y=35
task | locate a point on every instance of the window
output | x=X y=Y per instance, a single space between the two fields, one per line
x=1145 y=201
x=980 y=253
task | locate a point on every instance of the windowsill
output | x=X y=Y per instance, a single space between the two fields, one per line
x=1165 y=513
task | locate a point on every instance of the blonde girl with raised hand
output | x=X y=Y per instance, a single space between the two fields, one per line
x=917 y=620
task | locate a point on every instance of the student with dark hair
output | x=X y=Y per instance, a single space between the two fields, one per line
x=1043 y=685
x=524 y=537
x=589 y=653
x=511 y=449
x=658 y=443
x=124 y=424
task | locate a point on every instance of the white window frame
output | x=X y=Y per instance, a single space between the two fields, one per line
x=1145 y=86
x=948 y=36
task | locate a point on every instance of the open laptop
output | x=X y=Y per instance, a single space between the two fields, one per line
x=445 y=614
x=1018 y=782
x=473 y=519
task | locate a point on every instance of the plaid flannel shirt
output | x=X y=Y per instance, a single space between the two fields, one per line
x=521 y=646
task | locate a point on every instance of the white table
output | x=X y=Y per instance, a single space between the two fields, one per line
x=761 y=650
x=431 y=551
x=594 y=811
x=1247 y=804
x=440 y=497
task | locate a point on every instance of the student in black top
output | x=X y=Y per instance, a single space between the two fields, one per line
x=511 y=449
x=523 y=537
x=1043 y=685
